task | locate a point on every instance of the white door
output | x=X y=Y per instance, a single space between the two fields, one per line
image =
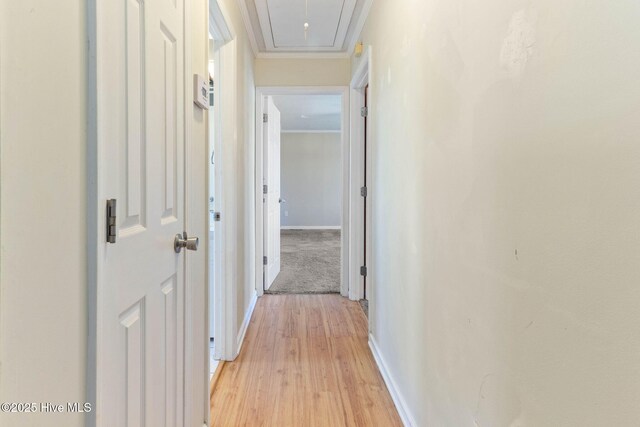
x=140 y=128
x=272 y=198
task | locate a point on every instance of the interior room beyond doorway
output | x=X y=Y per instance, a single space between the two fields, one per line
x=310 y=194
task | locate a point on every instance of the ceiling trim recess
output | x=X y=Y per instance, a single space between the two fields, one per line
x=350 y=38
x=266 y=24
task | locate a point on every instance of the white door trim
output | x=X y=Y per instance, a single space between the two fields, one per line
x=261 y=93
x=220 y=28
x=224 y=100
x=360 y=79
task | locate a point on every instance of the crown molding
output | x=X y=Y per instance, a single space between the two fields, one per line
x=302 y=55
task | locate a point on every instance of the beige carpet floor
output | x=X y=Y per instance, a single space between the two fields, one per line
x=310 y=262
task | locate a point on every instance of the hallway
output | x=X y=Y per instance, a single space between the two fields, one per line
x=474 y=168
x=305 y=362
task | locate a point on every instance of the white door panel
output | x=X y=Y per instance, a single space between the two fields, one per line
x=141 y=315
x=272 y=198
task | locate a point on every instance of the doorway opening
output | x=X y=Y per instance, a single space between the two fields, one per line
x=302 y=202
x=303 y=175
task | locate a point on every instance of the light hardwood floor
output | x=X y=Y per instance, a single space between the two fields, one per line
x=305 y=362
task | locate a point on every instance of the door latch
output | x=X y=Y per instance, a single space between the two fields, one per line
x=184 y=241
x=111 y=221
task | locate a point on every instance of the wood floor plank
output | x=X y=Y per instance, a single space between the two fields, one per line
x=216 y=377
x=305 y=362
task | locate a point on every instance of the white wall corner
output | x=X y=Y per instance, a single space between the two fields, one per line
x=401 y=405
x=220 y=26
x=362 y=19
x=248 y=27
x=245 y=324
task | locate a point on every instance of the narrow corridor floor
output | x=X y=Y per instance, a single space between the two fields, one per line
x=305 y=361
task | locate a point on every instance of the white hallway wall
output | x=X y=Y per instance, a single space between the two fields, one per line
x=43 y=314
x=311 y=179
x=506 y=209
x=303 y=72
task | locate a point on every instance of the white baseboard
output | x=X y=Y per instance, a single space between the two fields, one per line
x=245 y=323
x=398 y=400
x=311 y=227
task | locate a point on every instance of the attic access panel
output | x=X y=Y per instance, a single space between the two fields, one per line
x=282 y=23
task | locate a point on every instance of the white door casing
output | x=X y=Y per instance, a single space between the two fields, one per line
x=361 y=77
x=212 y=266
x=139 y=126
x=262 y=94
x=272 y=198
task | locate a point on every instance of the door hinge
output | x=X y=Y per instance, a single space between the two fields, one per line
x=265 y=189
x=363 y=191
x=265 y=118
x=217 y=216
x=364 y=111
x=363 y=271
x=264 y=260
x=111 y=221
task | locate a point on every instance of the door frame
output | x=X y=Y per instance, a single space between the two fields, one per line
x=221 y=30
x=360 y=79
x=261 y=93
x=224 y=57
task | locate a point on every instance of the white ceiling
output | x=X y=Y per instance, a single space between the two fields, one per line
x=309 y=112
x=276 y=27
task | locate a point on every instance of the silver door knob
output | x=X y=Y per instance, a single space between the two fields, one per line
x=282 y=201
x=182 y=241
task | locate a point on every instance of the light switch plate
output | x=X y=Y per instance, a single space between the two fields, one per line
x=201 y=91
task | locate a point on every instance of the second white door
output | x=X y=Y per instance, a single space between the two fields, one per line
x=272 y=194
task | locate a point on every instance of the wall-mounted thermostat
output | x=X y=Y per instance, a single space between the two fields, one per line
x=200 y=91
